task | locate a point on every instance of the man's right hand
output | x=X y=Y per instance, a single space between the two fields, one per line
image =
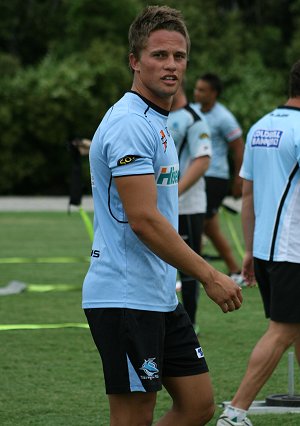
x=224 y=292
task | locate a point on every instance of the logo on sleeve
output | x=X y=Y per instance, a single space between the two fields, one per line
x=203 y=136
x=127 y=159
x=168 y=175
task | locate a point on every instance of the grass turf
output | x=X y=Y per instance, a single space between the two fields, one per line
x=54 y=377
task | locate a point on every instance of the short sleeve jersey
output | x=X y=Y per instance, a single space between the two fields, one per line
x=224 y=129
x=192 y=139
x=132 y=139
x=271 y=161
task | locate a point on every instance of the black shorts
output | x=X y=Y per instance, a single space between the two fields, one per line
x=191 y=229
x=216 y=191
x=279 y=285
x=138 y=348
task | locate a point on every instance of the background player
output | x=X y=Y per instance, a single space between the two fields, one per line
x=226 y=135
x=271 y=217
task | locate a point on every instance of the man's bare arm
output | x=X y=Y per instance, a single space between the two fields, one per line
x=139 y=198
x=248 y=222
x=196 y=169
x=237 y=148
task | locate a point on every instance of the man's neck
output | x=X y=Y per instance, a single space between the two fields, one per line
x=208 y=106
x=164 y=103
x=179 y=100
x=293 y=102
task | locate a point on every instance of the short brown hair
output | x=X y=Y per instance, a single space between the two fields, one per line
x=154 y=18
x=294 y=86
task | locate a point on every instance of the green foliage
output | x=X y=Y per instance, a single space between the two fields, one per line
x=87 y=20
x=248 y=84
x=27 y=27
x=293 y=50
x=44 y=107
x=9 y=65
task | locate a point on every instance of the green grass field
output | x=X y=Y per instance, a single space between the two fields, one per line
x=53 y=377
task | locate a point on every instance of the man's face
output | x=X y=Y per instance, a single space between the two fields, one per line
x=160 y=69
x=204 y=93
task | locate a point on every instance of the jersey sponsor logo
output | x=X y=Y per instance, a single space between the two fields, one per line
x=95 y=253
x=127 y=159
x=92 y=180
x=279 y=114
x=168 y=175
x=266 y=138
x=199 y=352
x=150 y=369
x=164 y=140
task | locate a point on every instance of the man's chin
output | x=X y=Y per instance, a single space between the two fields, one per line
x=170 y=92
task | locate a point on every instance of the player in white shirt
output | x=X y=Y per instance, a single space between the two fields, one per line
x=271 y=218
x=226 y=136
x=192 y=139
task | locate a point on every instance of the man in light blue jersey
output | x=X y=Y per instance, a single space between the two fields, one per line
x=226 y=135
x=192 y=139
x=144 y=337
x=271 y=218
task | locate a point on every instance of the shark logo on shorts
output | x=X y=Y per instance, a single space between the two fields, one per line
x=150 y=367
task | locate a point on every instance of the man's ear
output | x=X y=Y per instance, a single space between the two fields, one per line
x=134 y=62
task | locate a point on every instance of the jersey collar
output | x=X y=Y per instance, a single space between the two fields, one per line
x=151 y=104
x=288 y=107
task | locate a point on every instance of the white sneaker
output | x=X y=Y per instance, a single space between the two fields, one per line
x=225 y=421
x=238 y=279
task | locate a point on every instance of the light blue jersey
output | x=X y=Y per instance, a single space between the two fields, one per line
x=273 y=144
x=132 y=139
x=224 y=129
x=192 y=139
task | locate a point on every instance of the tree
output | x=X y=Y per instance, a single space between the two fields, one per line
x=27 y=27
